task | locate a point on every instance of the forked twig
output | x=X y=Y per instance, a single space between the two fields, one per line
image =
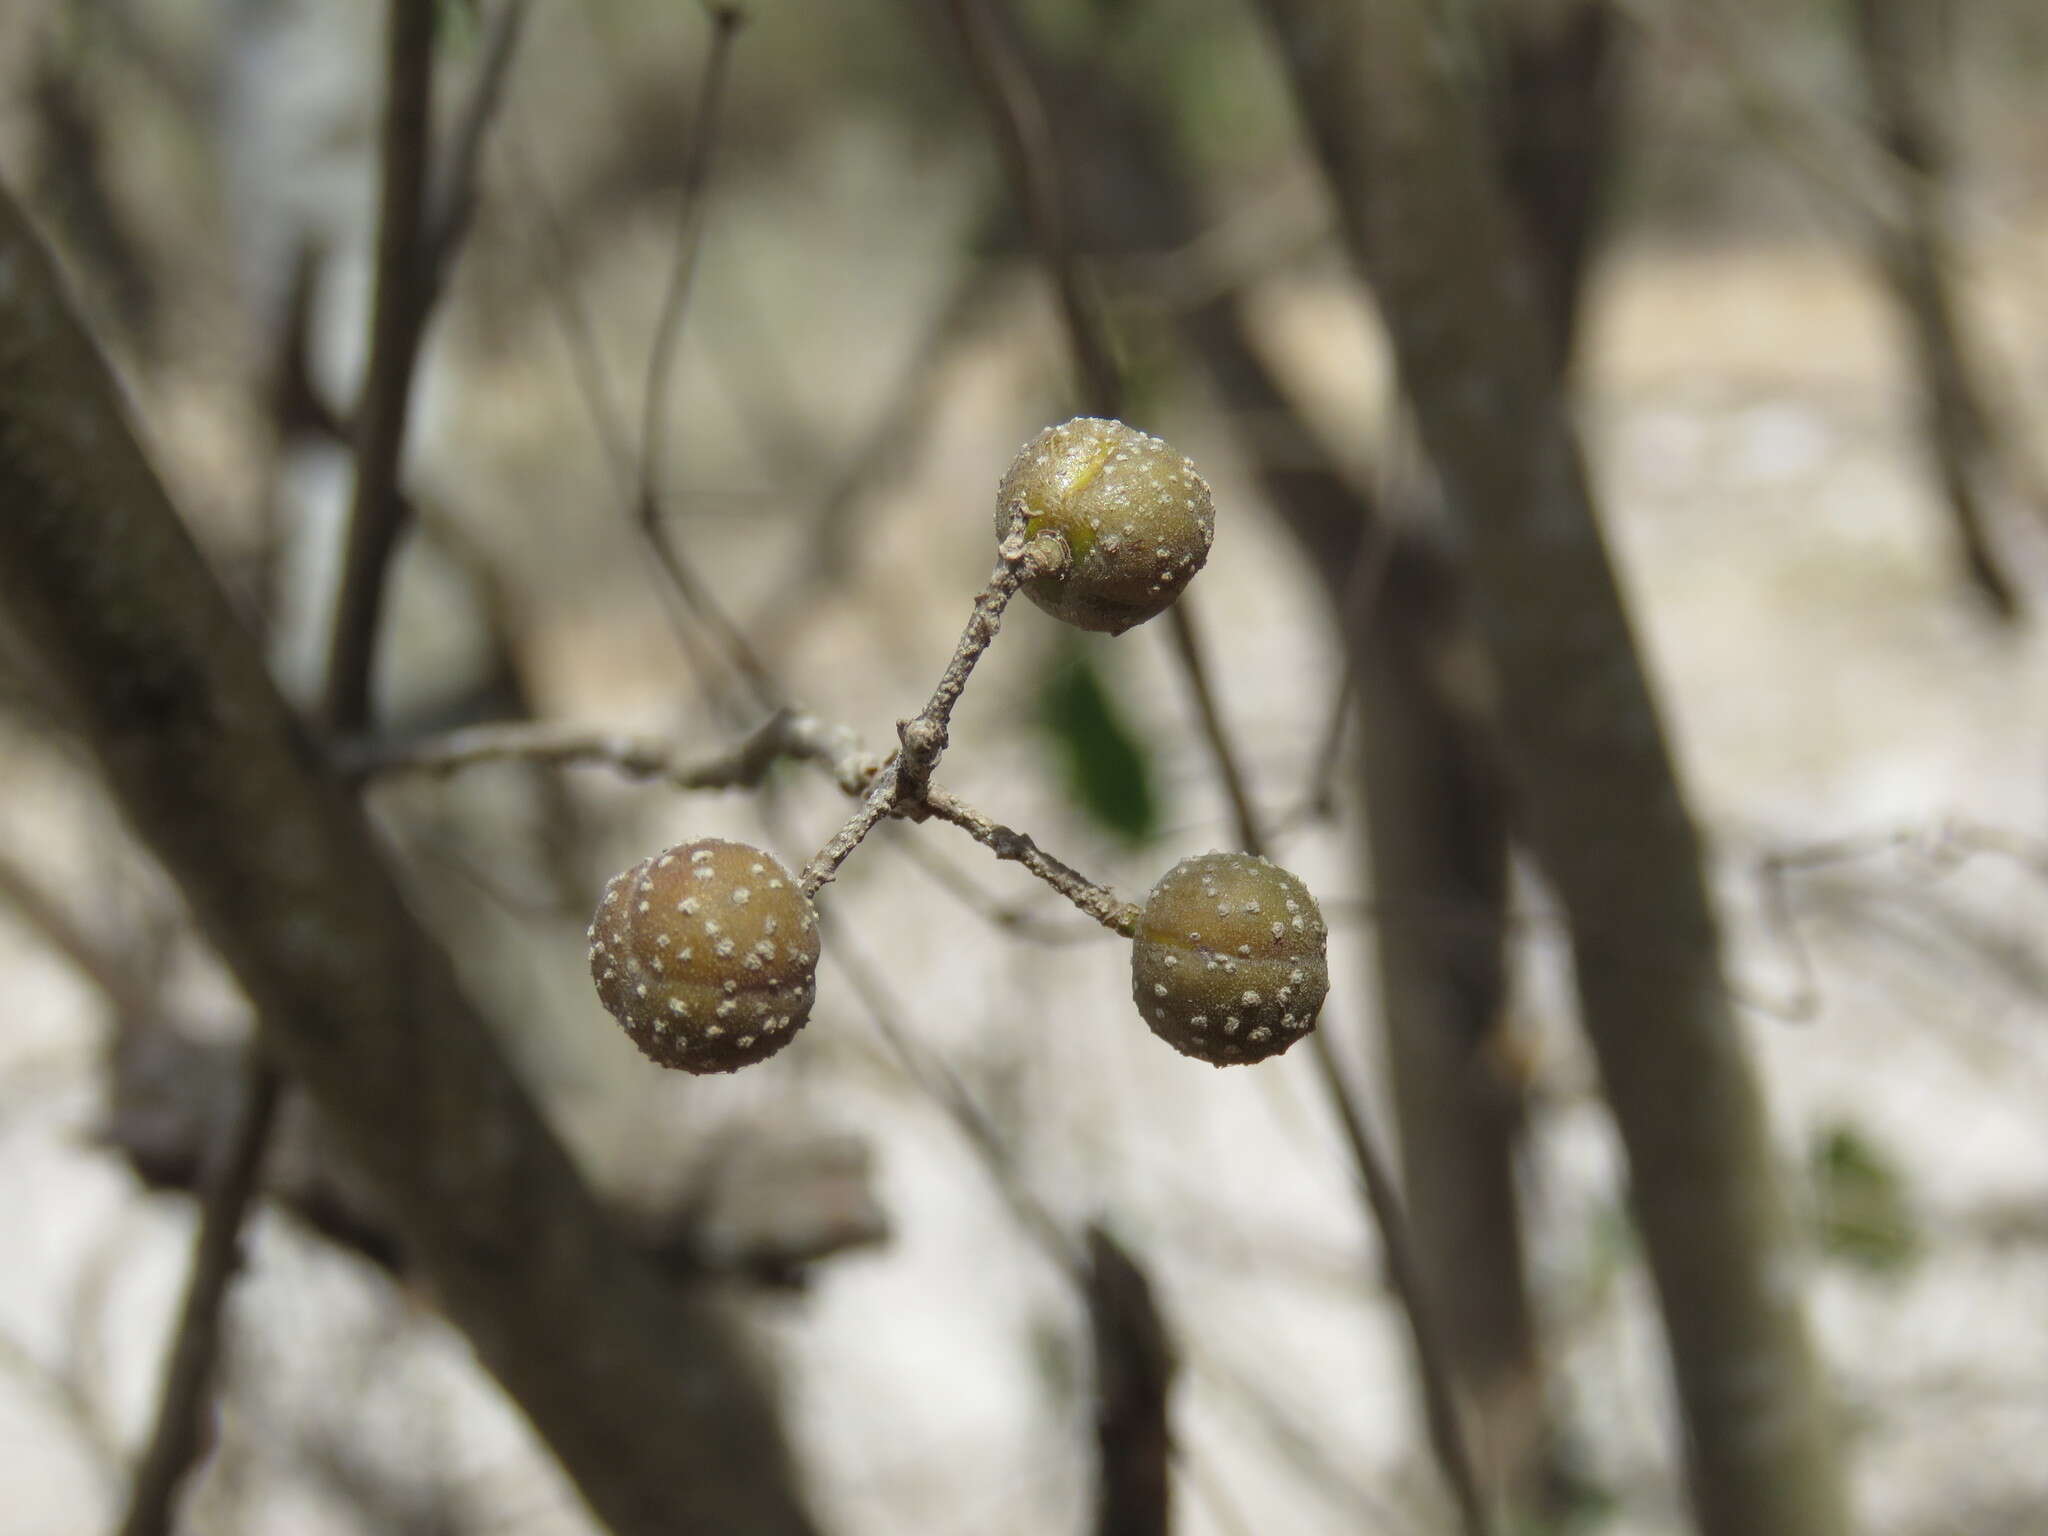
x=1033 y=162
x=906 y=777
x=176 y=1439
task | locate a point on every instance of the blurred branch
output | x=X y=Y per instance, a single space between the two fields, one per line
x=1403 y=142
x=643 y=1394
x=1187 y=647
x=1134 y=1371
x=1036 y=171
x=62 y=1391
x=1915 y=257
x=1133 y=1353
x=1018 y=918
x=1932 y=850
x=95 y=961
x=1031 y=163
x=454 y=205
x=650 y=503
x=178 y=1437
x=784 y=736
x=828 y=550
x=398 y=324
x=404 y=296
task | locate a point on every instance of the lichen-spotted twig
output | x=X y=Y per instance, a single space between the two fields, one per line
x=905 y=779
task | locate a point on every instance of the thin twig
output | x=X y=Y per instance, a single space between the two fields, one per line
x=40 y=912
x=176 y=1439
x=1187 y=646
x=1098 y=902
x=1432 y=1369
x=650 y=498
x=905 y=779
x=1031 y=156
x=1362 y=589
x=783 y=735
x=67 y=1395
x=933 y=1078
x=594 y=389
x=455 y=202
x=397 y=324
x=405 y=289
x=1015 y=917
x=1031 y=161
x=690 y=199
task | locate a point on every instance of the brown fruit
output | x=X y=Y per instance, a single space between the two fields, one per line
x=707 y=954
x=1229 y=963
x=1136 y=518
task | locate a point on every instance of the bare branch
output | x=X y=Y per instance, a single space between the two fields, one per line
x=658 y=1418
x=1098 y=902
x=904 y=780
x=1187 y=647
x=455 y=203
x=1031 y=162
x=650 y=502
x=177 y=1438
x=783 y=735
x=397 y=326
x=1036 y=175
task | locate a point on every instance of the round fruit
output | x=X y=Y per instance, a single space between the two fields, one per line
x=707 y=954
x=1229 y=963
x=1136 y=518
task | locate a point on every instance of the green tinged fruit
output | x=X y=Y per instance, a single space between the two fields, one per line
x=707 y=954
x=1136 y=518
x=1229 y=962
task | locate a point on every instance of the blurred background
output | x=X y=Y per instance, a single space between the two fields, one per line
x=1808 y=360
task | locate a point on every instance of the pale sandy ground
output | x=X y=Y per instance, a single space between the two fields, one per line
x=1823 y=675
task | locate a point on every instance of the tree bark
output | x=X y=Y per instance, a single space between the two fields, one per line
x=641 y=1391
x=1403 y=142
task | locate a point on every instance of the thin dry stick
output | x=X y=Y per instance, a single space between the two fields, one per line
x=397 y=324
x=176 y=1439
x=1361 y=594
x=1032 y=160
x=607 y=417
x=409 y=271
x=1187 y=646
x=786 y=735
x=1439 y=1400
x=46 y=917
x=1099 y=902
x=1126 y=1326
x=456 y=202
x=650 y=494
x=904 y=781
x=1014 y=917
x=638 y=757
x=690 y=222
x=942 y=1086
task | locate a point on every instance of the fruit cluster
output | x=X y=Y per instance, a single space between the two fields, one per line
x=707 y=953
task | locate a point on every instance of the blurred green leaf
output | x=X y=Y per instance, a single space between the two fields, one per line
x=1860 y=1202
x=1106 y=767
